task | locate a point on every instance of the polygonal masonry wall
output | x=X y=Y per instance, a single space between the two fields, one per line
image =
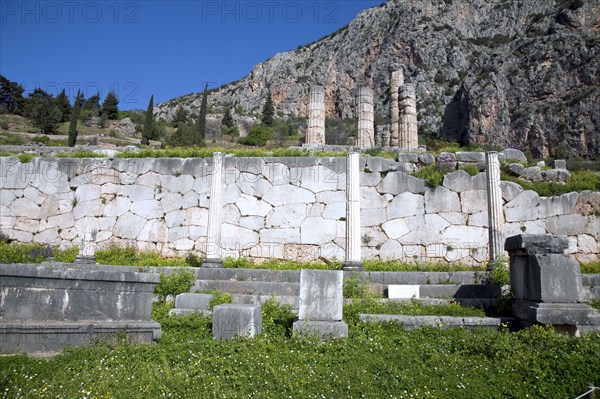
x=293 y=208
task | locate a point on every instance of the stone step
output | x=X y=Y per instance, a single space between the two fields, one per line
x=414 y=278
x=282 y=276
x=590 y=279
x=290 y=300
x=248 y=287
x=458 y=291
x=591 y=293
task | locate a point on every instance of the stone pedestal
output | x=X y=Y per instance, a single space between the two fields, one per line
x=230 y=321
x=191 y=303
x=315 y=135
x=321 y=304
x=396 y=80
x=365 y=132
x=353 y=243
x=547 y=283
x=212 y=249
x=87 y=250
x=494 y=201
x=407 y=125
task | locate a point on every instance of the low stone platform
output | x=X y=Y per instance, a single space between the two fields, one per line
x=412 y=322
x=321 y=329
x=191 y=303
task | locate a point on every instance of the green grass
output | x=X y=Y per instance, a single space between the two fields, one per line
x=399 y=266
x=432 y=174
x=580 y=180
x=376 y=361
x=130 y=256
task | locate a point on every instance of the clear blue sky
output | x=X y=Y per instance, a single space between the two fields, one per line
x=165 y=48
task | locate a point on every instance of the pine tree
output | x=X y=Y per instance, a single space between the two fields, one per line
x=62 y=102
x=180 y=118
x=110 y=106
x=201 y=122
x=268 y=111
x=11 y=96
x=42 y=111
x=148 y=131
x=74 y=116
x=227 y=119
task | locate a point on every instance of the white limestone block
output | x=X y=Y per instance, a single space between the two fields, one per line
x=395 y=228
x=399 y=291
x=318 y=231
x=406 y=204
x=288 y=194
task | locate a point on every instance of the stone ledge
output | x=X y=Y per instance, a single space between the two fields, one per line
x=28 y=337
x=413 y=322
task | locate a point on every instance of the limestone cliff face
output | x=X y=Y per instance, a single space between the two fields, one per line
x=521 y=73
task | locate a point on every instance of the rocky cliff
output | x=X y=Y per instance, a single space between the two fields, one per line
x=520 y=73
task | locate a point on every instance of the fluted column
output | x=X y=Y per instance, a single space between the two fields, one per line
x=87 y=250
x=365 y=132
x=315 y=133
x=397 y=80
x=407 y=105
x=495 y=213
x=353 y=256
x=213 y=240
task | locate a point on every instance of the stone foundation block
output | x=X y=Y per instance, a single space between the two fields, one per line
x=321 y=329
x=230 y=321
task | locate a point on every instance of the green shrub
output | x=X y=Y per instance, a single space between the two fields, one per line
x=258 y=137
x=354 y=287
x=591 y=267
x=45 y=140
x=34 y=253
x=174 y=283
x=499 y=274
x=471 y=169
x=277 y=319
x=432 y=174
x=25 y=158
x=375 y=265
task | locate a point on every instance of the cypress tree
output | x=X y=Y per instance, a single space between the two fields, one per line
x=268 y=111
x=74 y=116
x=148 y=132
x=227 y=118
x=201 y=122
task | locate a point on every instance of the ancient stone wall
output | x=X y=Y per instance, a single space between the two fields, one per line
x=293 y=208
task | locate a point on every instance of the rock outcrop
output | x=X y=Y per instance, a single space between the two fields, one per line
x=520 y=73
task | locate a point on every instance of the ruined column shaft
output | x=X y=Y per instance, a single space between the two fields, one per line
x=353 y=255
x=495 y=213
x=315 y=133
x=213 y=239
x=365 y=132
x=407 y=106
x=397 y=80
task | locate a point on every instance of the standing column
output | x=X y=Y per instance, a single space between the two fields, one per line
x=213 y=240
x=365 y=132
x=316 y=116
x=495 y=213
x=407 y=105
x=353 y=257
x=396 y=81
x=87 y=250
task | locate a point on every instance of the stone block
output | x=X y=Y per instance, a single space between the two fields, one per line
x=557 y=314
x=568 y=225
x=458 y=181
x=193 y=301
x=239 y=320
x=513 y=154
x=320 y=329
x=406 y=204
x=533 y=173
x=533 y=244
x=288 y=194
x=474 y=201
x=398 y=182
x=510 y=190
x=395 y=228
x=556 y=175
x=473 y=157
x=404 y=291
x=515 y=169
x=441 y=199
x=560 y=164
x=317 y=230
x=321 y=297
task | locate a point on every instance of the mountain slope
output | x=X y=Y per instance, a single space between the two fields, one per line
x=523 y=73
